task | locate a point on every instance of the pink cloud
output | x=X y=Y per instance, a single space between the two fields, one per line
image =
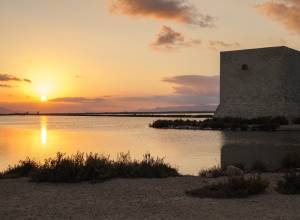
x=286 y=12
x=177 y=10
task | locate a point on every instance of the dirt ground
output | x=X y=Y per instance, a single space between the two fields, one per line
x=137 y=199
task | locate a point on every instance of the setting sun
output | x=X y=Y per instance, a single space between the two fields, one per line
x=43 y=98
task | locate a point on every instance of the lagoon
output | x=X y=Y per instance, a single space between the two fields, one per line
x=39 y=137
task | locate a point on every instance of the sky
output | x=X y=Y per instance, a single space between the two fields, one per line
x=129 y=55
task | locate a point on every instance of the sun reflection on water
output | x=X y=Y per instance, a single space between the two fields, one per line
x=43 y=123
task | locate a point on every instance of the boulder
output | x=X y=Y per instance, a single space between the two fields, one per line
x=233 y=171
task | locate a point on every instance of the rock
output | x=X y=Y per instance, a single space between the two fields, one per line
x=233 y=171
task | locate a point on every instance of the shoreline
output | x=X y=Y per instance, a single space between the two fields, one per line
x=138 y=199
x=137 y=115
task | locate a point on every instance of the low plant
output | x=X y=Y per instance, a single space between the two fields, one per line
x=281 y=120
x=290 y=161
x=266 y=127
x=296 y=121
x=91 y=167
x=234 y=187
x=259 y=166
x=23 y=169
x=290 y=184
x=213 y=172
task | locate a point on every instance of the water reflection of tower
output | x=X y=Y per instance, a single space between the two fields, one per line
x=43 y=123
x=247 y=148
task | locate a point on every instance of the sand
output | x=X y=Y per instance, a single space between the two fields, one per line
x=136 y=199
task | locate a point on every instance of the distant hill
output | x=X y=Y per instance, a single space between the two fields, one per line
x=5 y=111
x=200 y=108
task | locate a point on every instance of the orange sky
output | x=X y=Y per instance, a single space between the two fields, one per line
x=125 y=55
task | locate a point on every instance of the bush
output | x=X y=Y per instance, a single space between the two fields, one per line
x=259 y=166
x=212 y=172
x=290 y=161
x=290 y=184
x=280 y=120
x=266 y=127
x=23 y=169
x=296 y=121
x=178 y=123
x=235 y=187
x=91 y=167
x=148 y=167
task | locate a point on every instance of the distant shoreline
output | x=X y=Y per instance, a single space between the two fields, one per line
x=125 y=114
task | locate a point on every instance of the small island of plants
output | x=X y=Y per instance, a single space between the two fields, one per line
x=232 y=124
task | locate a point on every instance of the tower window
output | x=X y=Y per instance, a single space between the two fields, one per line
x=245 y=67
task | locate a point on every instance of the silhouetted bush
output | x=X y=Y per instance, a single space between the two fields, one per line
x=23 y=169
x=290 y=184
x=233 y=124
x=266 y=127
x=291 y=161
x=213 y=172
x=179 y=123
x=296 y=121
x=91 y=167
x=235 y=187
x=259 y=166
x=239 y=165
x=280 y=120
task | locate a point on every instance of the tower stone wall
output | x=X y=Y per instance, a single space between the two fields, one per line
x=260 y=82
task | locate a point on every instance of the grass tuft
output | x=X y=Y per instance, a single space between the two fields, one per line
x=290 y=184
x=235 y=187
x=91 y=167
x=213 y=172
x=259 y=166
x=290 y=161
x=23 y=169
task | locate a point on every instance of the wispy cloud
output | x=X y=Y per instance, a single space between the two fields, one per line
x=5 y=86
x=177 y=10
x=191 y=92
x=8 y=77
x=167 y=38
x=77 y=100
x=218 y=44
x=286 y=12
x=195 y=85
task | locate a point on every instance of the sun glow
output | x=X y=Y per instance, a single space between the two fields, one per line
x=43 y=98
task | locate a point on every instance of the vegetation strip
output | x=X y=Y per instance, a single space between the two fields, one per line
x=90 y=167
x=233 y=124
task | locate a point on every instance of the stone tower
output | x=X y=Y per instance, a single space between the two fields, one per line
x=260 y=82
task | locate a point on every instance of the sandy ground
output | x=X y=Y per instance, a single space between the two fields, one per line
x=136 y=199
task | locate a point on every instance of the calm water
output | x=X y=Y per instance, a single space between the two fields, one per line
x=41 y=137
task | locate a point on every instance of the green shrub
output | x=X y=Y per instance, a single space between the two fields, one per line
x=290 y=184
x=235 y=187
x=23 y=169
x=213 y=172
x=91 y=167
